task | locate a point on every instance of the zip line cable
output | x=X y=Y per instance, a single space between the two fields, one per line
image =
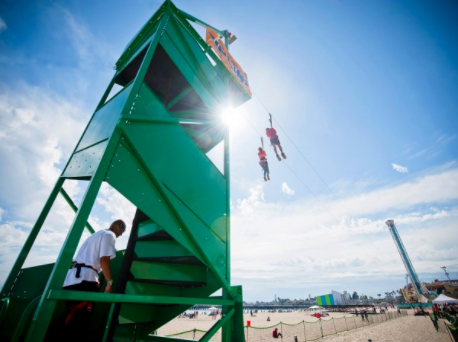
x=295 y=174
x=311 y=166
x=300 y=180
x=313 y=194
x=303 y=156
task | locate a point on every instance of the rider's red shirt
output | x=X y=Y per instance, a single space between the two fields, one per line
x=271 y=133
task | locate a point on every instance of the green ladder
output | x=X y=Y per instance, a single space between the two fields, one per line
x=149 y=142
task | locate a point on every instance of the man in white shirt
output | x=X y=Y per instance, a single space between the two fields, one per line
x=93 y=256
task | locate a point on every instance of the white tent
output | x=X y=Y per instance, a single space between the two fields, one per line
x=212 y=308
x=315 y=307
x=442 y=299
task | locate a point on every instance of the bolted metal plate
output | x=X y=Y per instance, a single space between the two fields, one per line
x=85 y=162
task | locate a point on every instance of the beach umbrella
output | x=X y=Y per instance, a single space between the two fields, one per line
x=212 y=308
x=315 y=307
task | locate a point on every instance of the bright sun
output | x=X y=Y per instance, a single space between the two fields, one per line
x=230 y=117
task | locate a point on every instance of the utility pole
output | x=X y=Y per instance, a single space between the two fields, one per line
x=446 y=273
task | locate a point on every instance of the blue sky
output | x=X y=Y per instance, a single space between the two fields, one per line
x=366 y=91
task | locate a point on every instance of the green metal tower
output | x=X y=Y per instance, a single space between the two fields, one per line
x=149 y=142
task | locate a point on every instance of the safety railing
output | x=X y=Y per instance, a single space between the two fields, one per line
x=304 y=331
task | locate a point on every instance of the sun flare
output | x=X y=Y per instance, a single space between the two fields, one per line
x=230 y=117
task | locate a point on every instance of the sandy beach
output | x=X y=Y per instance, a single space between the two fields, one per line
x=408 y=328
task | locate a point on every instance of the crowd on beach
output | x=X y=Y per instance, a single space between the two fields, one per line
x=195 y=314
x=442 y=309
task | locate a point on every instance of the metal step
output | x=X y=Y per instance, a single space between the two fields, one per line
x=188 y=260
x=184 y=284
x=174 y=272
x=156 y=236
x=162 y=248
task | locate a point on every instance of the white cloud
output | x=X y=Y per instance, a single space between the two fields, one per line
x=445 y=139
x=286 y=189
x=118 y=207
x=300 y=245
x=90 y=49
x=432 y=148
x=3 y=26
x=114 y=203
x=247 y=205
x=37 y=129
x=440 y=187
x=399 y=168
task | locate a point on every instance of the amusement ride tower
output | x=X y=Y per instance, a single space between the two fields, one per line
x=416 y=284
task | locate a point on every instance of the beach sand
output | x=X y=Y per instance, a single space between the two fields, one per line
x=406 y=329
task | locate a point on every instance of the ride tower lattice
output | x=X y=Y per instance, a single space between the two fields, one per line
x=149 y=142
x=415 y=281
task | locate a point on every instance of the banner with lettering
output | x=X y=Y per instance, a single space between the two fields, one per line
x=217 y=44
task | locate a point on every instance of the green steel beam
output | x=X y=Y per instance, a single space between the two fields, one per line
x=134 y=53
x=202 y=23
x=223 y=321
x=179 y=97
x=43 y=315
x=227 y=175
x=141 y=36
x=172 y=120
x=9 y=283
x=105 y=95
x=182 y=19
x=166 y=339
x=138 y=81
x=109 y=318
x=160 y=187
x=226 y=333
x=133 y=299
x=186 y=50
x=25 y=316
x=75 y=208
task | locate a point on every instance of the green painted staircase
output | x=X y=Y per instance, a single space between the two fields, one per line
x=155 y=263
x=150 y=143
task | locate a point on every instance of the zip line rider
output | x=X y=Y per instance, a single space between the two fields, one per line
x=274 y=141
x=263 y=163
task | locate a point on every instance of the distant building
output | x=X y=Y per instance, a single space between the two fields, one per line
x=346 y=297
x=334 y=298
x=337 y=297
x=446 y=287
